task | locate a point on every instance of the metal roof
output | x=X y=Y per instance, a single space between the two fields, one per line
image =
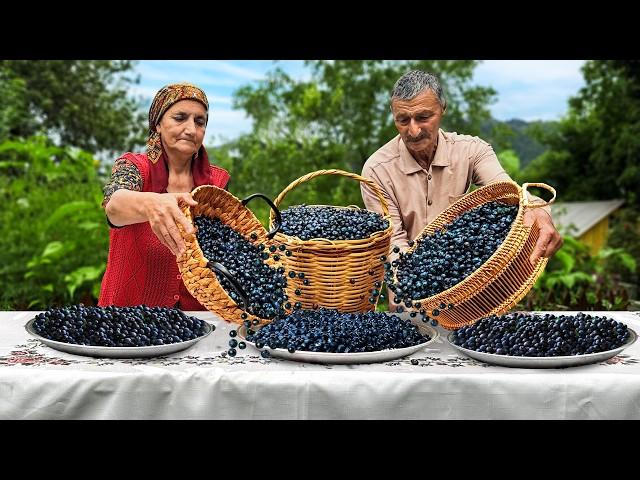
x=576 y=218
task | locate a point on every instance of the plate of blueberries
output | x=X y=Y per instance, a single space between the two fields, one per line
x=332 y=337
x=117 y=332
x=525 y=340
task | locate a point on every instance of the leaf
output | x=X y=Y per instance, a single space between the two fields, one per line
x=67 y=209
x=88 y=225
x=52 y=249
x=583 y=277
x=35 y=302
x=82 y=275
x=567 y=260
x=628 y=261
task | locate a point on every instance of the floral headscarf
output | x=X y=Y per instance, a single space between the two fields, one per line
x=163 y=100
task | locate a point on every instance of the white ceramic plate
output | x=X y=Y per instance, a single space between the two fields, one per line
x=347 y=358
x=116 y=352
x=544 y=362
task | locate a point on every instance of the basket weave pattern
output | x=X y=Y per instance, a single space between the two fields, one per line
x=341 y=273
x=506 y=277
x=201 y=281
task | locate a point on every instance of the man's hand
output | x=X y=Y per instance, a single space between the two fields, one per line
x=549 y=241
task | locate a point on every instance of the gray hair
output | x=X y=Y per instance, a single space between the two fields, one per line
x=413 y=83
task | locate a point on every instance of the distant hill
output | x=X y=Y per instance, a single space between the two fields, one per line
x=525 y=145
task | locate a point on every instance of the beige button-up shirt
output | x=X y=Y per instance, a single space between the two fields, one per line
x=415 y=196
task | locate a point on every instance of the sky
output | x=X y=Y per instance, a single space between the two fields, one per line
x=526 y=89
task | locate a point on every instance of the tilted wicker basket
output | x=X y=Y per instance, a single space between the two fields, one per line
x=198 y=273
x=340 y=273
x=507 y=276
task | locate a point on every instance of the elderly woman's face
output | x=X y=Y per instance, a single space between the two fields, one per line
x=182 y=128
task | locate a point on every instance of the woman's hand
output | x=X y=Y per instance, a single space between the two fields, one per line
x=549 y=241
x=164 y=213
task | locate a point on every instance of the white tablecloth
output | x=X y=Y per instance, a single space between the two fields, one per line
x=37 y=382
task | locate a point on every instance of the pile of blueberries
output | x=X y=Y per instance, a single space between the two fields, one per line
x=530 y=335
x=112 y=326
x=325 y=330
x=264 y=285
x=452 y=253
x=332 y=223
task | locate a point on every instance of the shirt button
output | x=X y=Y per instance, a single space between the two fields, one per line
x=176 y=297
x=429 y=202
x=429 y=177
x=178 y=276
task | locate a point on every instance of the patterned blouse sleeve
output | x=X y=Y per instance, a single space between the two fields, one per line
x=124 y=174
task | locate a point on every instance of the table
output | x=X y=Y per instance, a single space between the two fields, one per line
x=37 y=382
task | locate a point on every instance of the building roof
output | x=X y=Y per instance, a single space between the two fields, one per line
x=577 y=218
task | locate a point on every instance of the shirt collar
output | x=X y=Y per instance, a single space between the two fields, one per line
x=408 y=164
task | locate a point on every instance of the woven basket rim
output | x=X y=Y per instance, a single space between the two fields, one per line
x=497 y=257
x=187 y=210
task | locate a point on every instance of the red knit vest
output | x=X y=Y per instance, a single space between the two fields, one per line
x=140 y=269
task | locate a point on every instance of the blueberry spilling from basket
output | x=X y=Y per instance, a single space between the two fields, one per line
x=263 y=284
x=333 y=223
x=325 y=330
x=529 y=335
x=112 y=326
x=451 y=254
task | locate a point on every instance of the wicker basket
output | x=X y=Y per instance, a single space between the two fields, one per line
x=506 y=277
x=340 y=273
x=198 y=273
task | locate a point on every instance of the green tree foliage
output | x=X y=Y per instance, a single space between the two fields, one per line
x=593 y=153
x=624 y=233
x=53 y=234
x=335 y=119
x=81 y=103
x=510 y=162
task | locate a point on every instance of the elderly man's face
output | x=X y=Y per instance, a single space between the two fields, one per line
x=418 y=121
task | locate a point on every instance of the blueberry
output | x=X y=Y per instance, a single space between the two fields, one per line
x=449 y=255
x=307 y=222
x=325 y=330
x=520 y=334
x=264 y=285
x=112 y=326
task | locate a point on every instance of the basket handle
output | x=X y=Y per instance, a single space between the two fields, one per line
x=309 y=176
x=525 y=198
x=219 y=268
x=278 y=223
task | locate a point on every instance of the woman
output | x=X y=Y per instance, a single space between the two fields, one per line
x=143 y=199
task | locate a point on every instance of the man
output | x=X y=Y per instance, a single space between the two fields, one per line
x=423 y=170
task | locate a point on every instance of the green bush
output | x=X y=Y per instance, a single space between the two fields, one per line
x=53 y=234
x=576 y=280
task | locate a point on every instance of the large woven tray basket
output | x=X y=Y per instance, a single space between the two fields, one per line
x=198 y=272
x=340 y=274
x=507 y=276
